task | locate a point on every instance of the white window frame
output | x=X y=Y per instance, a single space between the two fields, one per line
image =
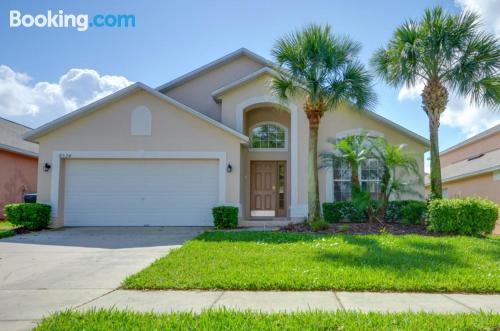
x=281 y=126
x=330 y=174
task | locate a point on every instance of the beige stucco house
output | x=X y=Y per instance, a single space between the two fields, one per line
x=472 y=167
x=215 y=136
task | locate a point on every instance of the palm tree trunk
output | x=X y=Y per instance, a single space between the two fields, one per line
x=436 y=187
x=313 y=186
x=435 y=98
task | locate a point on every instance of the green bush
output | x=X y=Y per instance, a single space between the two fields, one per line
x=406 y=211
x=413 y=212
x=469 y=216
x=338 y=211
x=225 y=217
x=32 y=216
x=319 y=225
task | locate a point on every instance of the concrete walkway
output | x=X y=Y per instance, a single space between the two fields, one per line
x=272 y=301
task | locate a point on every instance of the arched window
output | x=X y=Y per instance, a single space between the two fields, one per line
x=268 y=136
x=140 y=121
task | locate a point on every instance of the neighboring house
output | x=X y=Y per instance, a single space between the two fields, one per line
x=472 y=167
x=215 y=136
x=18 y=163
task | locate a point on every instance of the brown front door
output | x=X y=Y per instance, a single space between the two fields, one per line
x=267 y=188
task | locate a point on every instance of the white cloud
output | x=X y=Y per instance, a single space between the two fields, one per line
x=36 y=103
x=412 y=92
x=489 y=10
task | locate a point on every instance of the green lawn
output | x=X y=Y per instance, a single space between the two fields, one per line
x=232 y=320
x=6 y=229
x=291 y=261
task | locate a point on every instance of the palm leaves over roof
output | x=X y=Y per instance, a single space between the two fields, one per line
x=324 y=67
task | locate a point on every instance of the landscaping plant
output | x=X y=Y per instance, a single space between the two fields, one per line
x=446 y=53
x=324 y=68
x=469 y=216
x=32 y=216
x=225 y=217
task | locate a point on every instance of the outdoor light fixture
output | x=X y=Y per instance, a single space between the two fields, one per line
x=46 y=167
x=229 y=168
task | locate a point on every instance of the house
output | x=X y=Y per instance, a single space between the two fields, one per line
x=472 y=167
x=18 y=163
x=214 y=136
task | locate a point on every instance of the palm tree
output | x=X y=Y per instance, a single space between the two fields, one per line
x=323 y=69
x=446 y=52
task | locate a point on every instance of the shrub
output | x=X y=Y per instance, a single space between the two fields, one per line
x=406 y=211
x=337 y=211
x=225 y=217
x=32 y=216
x=469 y=216
x=413 y=212
x=319 y=225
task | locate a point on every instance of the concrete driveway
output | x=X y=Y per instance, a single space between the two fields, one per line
x=58 y=269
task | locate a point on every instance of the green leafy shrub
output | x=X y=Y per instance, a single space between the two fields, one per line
x=338 y=211
x=319 y=225
x=225 y=217
x=406 y=211
x=469 y=216
x=413 y=212
x=32 y=216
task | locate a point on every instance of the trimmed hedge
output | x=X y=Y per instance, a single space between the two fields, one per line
x=225 y=217
x=405 y=211
x=32 y=216
x=334 y=212
x=469 y=216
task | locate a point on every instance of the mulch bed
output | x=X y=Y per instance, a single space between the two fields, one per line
x=363 y=228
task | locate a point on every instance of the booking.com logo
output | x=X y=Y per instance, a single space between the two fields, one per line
x=80 y=22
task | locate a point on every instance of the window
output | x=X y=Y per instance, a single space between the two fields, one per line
x=268 y=136
x=370 y=173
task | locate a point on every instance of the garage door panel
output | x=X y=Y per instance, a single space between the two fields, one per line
x=140 y=192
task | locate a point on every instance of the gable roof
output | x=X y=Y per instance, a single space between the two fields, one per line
x=11 y=140
x=70 y=117
x=472 y=139
x=217 y=94
x=485 y=163
x=213 y=65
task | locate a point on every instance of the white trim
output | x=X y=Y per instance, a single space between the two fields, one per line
x=217 y=94
x=214 y=64
x=63 y=120
x=58 y=155
x=285 y=149
x=472 y=139
x=470 y=174
x=329 y=184
x=18 y=150
x=397 y=127
x=295 y=211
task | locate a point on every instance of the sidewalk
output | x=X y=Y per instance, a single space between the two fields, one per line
x=272 y=301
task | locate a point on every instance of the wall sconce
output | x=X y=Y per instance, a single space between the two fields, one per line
x=229 y=168
x=46 y=167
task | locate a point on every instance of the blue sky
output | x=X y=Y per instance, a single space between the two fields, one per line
x=45 y=73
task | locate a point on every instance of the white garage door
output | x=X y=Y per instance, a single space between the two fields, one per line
x=140 y=192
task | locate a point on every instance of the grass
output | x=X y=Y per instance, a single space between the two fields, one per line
x=293 y=261
x=231 y=320
x=7 y=229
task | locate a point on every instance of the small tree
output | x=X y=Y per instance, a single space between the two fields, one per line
x=396 y=163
